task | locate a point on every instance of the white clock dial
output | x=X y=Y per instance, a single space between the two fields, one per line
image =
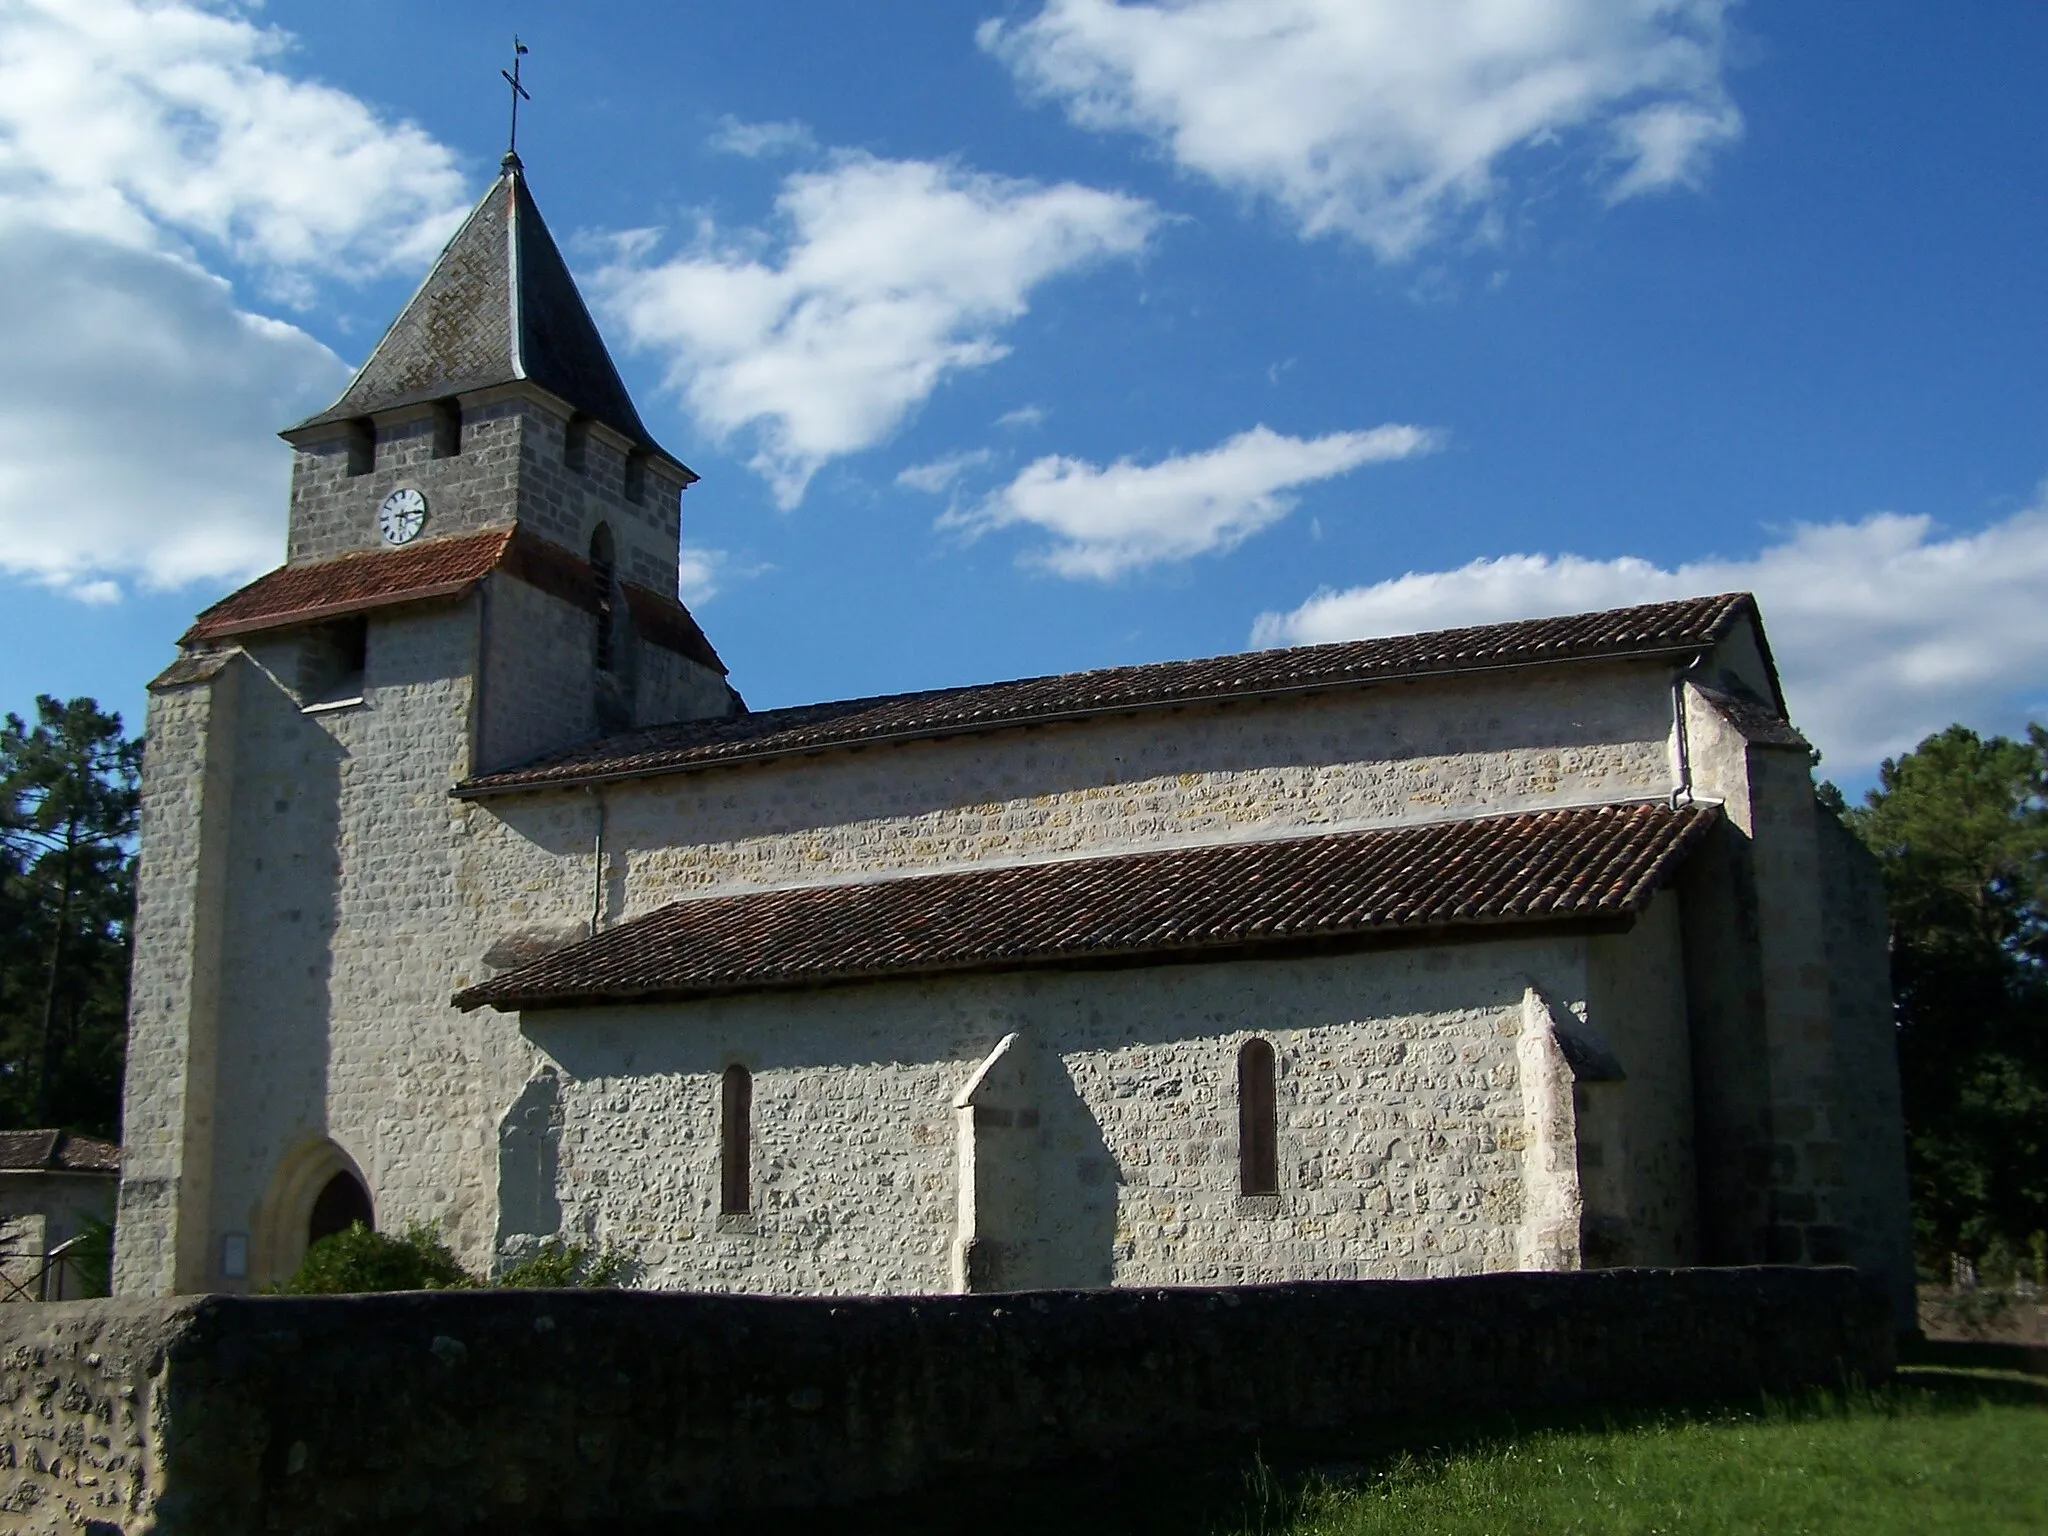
x=402 y=516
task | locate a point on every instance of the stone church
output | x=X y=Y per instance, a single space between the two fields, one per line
x=473 y=893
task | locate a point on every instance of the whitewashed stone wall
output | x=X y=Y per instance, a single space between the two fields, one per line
x=344 y=914
x=181 y=890
x=64 y=1202
x=1401 y=1123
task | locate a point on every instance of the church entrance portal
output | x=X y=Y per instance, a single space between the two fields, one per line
x=340 y=1205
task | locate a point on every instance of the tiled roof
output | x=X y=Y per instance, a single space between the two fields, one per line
x=667 y=623
x=498 y=305
x=56 y=1152
x=356 y=583
x=1543 y=866
x=1656 y=629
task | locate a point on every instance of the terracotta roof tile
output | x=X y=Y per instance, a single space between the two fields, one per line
x=56 y=1152
x=354 y=583
x=1599 y=862
x=667 y=623
x=1655 y=629
x=357 y=583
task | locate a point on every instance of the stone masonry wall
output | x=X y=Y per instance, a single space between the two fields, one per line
x=167 y=1103
x=539 y=690
x=345 y=912
x=566 y=1413
x=1646 y=1177
x=567 y=504
x=511 y=465
x=1400 y=1122
x=66 y=1201
x=334 y=512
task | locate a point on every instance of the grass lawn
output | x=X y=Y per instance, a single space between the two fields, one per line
x=1934 y=1451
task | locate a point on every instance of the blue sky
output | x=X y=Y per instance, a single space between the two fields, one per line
x=1065 y=333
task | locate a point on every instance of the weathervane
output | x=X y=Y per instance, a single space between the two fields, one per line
x=518 y=95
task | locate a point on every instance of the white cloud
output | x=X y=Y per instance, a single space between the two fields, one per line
x=1884 y=631
x=1106 y=521
x=140 y=145
x=889 y=275
x=759 y=140
x=1387 y=119
x=700 y=573
x=149 y=125
x=138 y=407
x=1022 y=417
x=935 y=478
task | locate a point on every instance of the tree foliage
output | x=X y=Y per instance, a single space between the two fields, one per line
x=1961 y=825
x=68 y=808
x=359 y=1260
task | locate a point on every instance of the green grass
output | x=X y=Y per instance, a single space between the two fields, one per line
x=1933 y=1451
x=1922 y=1455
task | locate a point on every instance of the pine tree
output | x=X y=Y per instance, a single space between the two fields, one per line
x=68 y=810
x=1961 y=825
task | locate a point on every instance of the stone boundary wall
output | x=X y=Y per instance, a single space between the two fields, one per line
x=512 y=1412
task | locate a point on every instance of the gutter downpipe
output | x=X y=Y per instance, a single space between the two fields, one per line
x=1682 y=790
x=596 y=793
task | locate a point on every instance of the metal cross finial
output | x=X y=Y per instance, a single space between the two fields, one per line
x=518 y=95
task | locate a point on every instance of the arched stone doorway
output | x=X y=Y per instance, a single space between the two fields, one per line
x=317 y=1191
x=341 y=1203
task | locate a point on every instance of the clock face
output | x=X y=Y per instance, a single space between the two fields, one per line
x=402 y=516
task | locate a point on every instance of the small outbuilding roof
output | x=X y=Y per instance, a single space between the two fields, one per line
x=1336 y=890
x=1672 y=629
x=56 y=1152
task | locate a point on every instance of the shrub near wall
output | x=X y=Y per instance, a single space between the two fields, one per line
x=582 y=1411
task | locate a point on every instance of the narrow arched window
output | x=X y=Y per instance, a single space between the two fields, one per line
x=603 y=575
x=341 y=1203
x=1258 y=1143
x=735 y=1134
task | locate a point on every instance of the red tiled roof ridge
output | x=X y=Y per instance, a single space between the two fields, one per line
x=365 y=579
x=1650 y=629
x=1589 y=862
x=356 y=581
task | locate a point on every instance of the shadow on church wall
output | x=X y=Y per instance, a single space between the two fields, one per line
x=1078 y=1181
x=277 y=954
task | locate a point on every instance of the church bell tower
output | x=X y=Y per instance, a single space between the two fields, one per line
x=480 y=570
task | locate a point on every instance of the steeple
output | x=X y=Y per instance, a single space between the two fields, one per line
x=499 y=306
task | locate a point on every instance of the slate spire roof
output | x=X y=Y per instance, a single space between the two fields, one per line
x=498 y=306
